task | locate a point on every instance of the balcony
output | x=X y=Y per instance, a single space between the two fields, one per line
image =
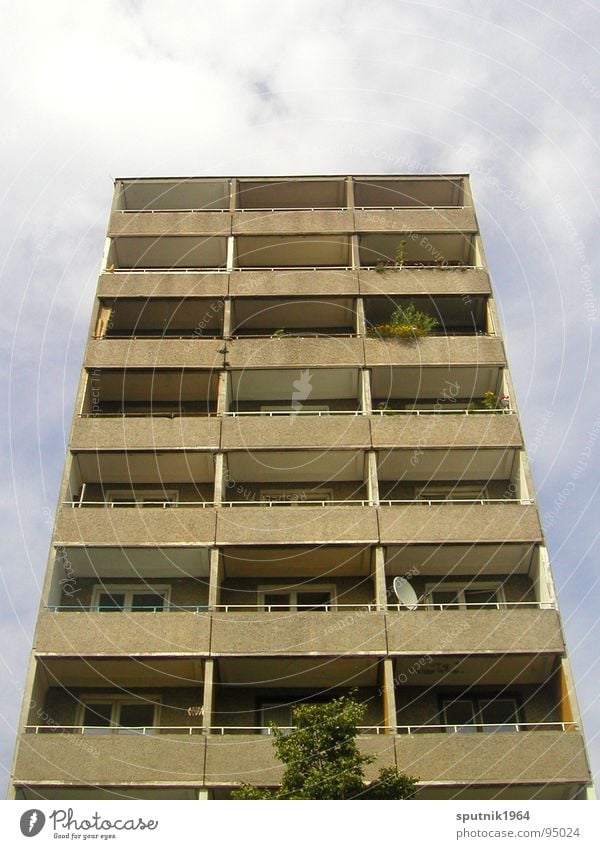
x=192 y=195
x=291 y=194
x=160 y=318
x=501 y=523
x=292 y=206
x=295 y=353
x=294 y=391
x=307 y=428
x=294 y=282
x=404 y=193
x=485 y=353
x=92 y=633
x=451 y=428
x=99 y=525
x=163 y=284
x=323 y=316
x=293 y=251
x=167 y=253
x=263 y=525
x=392 y=253
x=453 y=386
x=543 y=758
x=155 y=429
x=152 y=353
x=455 y=316
x=149 y=392
x=522 y=629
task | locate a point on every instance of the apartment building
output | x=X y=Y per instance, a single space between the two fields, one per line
x=273 y=495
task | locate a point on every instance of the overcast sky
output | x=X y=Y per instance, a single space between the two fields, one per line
x=507 y=91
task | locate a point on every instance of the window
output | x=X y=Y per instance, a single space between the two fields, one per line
x=105 y=715
x=317 y=597
x=296 y=496
x=107 y=598
x=148 y=497
x=481 y=714
x=454 y=596
x=289 y=408
x=281 y=713
x=451 y=492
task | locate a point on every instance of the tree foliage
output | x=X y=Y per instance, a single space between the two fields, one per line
x=322 y=759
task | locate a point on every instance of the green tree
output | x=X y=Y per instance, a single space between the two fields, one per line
x=323 y=761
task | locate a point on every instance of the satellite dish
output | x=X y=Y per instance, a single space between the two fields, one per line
x=405 y=594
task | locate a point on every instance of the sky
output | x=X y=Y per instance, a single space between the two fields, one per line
x=506 y=91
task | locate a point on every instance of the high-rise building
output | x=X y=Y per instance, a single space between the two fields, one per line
x=295 y=470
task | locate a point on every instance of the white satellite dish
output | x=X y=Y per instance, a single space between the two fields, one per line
x=405 y=594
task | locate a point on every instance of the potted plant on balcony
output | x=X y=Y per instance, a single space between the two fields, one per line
x=405 y=323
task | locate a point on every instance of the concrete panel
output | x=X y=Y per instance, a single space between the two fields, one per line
x=474 y=631
x=504 y=522
x=420 y=219
x=153 y=432
x=288 y=524
x=436 y=350
x=162 y=284
x=446 y=430
x=251 y=758
x=300 y=431
x=110 y=758
x=217 y=223
x=525 y=757
x=293 y=221
x=147 y=353
x=135 y=526
x=293 y=283
x=305 y=633
x=88 y=633
x=301 y=352
x=425 y=281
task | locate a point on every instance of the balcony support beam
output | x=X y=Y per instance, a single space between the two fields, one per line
x=389 y=694
x=207 y=703
x=371 y=476
x=378 y=571
x=223 y=393
x=366 y=401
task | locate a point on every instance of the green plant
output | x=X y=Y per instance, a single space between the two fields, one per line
x=400 y=254
x=406 y=323
x=490 y=400
x=279 y=334
x=380 y=267
x=322 y=759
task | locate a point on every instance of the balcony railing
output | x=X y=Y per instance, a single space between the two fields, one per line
x=268 y=730
x=300 y=502
x=368 y=607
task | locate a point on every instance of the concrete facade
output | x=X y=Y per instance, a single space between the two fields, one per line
x=252 y=465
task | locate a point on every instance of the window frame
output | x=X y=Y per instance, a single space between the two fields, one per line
x=293 y=596
x=138 y=499
x=463 y=587
x=477 y=701
x=129 y=590
x=266 y=494
x=154 y=700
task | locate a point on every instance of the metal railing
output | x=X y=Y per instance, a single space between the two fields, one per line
x=250 y=209
x=214 y=269
x=388 y=411
x=300 y=502
x=151 y=730
x=341 y=607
